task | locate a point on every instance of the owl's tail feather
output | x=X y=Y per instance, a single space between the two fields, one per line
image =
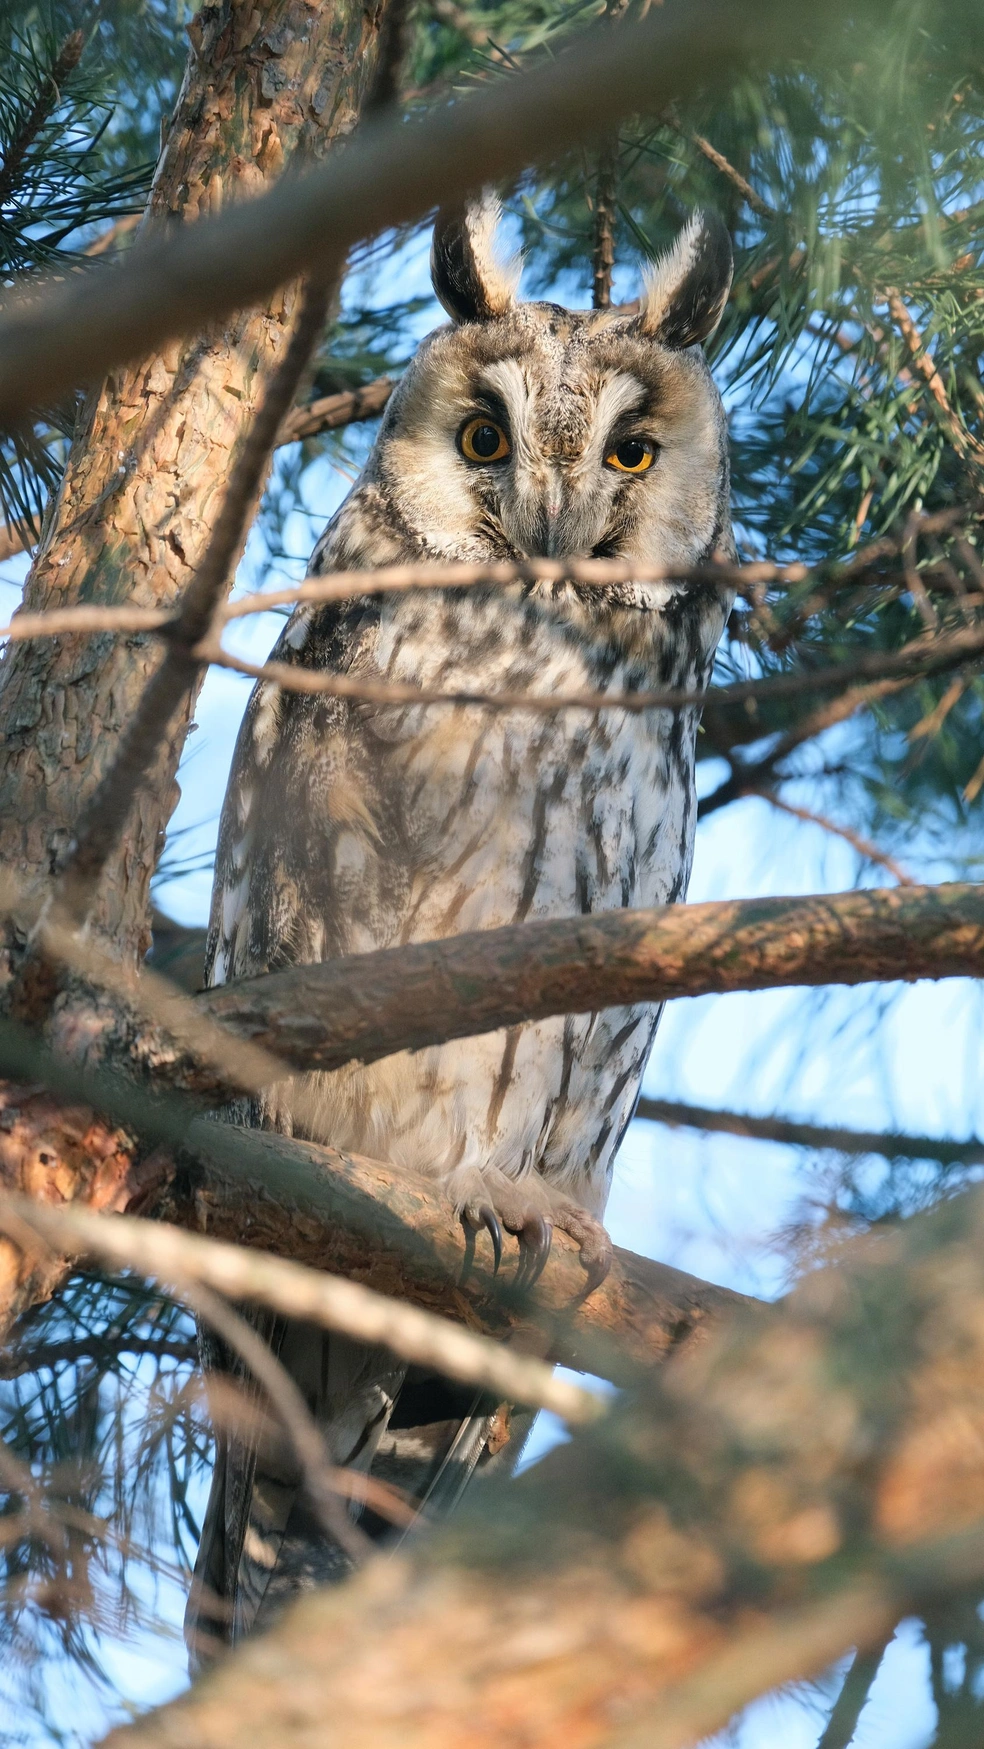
x=262 y=1544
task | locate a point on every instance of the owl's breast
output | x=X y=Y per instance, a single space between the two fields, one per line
x=524 y=812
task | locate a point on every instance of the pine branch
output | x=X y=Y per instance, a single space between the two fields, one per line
x=39 y=114
x=187 y=1261
x=712 y=1537
x=369 y=1005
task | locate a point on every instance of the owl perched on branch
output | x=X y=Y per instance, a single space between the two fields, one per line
x=519 y=429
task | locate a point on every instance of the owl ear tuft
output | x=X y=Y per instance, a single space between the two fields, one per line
x=688 y=287
x=471 y=280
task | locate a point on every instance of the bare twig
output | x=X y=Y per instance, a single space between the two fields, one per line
x=32 y=1358
x=862 y=845
x=853 y=1697
x=963 y=441
x=751 y=777
x=401 y=579
x=167 y=1254
x=791 y=1133
x=287 y=1401
x=393 y=172
x=918 y=658
x=331 y=412
x=603 y=250
x=725 y=167
x=922 y=656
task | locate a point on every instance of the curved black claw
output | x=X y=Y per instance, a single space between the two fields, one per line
x=488 y=1219
x=596 y=1267
x=473 y=1223
x=535 y=1239
x=594 y=1244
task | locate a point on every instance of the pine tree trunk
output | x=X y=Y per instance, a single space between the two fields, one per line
x=267 y=82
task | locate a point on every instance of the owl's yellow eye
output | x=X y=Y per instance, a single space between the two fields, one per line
x=633 y=456
x=482 y=440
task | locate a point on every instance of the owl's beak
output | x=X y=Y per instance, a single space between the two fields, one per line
x=554 y=508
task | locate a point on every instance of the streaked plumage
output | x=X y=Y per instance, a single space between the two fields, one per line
x=350 y=826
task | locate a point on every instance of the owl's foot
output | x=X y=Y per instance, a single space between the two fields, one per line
x=530 y=1210
x=525 y=1220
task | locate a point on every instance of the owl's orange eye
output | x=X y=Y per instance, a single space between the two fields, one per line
x=633 y=456
x=482 y=440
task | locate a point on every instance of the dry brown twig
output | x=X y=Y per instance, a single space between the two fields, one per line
x=862 y=845
x=920 y=657
x=825 y=1137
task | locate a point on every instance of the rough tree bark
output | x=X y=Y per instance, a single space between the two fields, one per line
x=265 y=84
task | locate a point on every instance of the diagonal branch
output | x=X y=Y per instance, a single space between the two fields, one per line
x=107 y=814
x=788 y=1492
x=314 y=1205
x=327 y=413
x=394 y=172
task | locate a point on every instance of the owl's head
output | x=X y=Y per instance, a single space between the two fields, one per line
x=525 y=428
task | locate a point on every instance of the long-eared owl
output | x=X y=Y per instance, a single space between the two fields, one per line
x=519 y=429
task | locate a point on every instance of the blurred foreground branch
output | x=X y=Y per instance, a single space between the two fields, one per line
x=791 y=1489
x=394 y=172
x=172 y=1257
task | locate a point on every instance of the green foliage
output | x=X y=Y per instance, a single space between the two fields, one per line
x=76 y=151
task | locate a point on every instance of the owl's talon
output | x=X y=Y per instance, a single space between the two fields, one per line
x=535 y=1239
x=473 y=1220
x=488 y=1219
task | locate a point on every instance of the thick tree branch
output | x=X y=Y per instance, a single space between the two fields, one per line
x=392 y=174
x=355 y=1217
x=370 y=1005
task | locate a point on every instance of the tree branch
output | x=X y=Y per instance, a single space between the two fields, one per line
x=712 y=1536
x=367 y=1006
x=177 y=1259
x=393 y=173
x=793 y=1134
x=355 y=1217
x=40 y=112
